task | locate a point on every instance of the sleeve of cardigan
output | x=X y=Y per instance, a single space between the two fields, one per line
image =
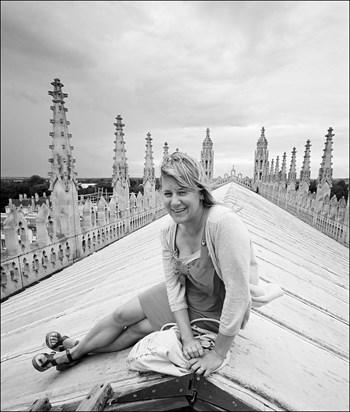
x=232 y=250
x=175 y=290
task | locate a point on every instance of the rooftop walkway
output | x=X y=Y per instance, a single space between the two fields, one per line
x=292 y=355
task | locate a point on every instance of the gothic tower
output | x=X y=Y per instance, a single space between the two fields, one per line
x=120 y=178
x=207 y=157
x=324 y=180
x=149 y=180
x=261 y=160
x=63 y=181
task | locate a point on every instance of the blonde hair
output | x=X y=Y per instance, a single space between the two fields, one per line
x=187 y=172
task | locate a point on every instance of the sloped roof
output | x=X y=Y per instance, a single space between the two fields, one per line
x=292 y=355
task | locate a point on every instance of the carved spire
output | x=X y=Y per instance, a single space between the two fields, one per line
x=63 y=183
x=120 y=166
x=207 y=156
x=62 y=162
x=272 y=170
x=305 y=170
x=283 y=172
x=261 y=167
x=149 y=172
x=166 y=150
x=266 y=176
x=277 y=169
x=262 y=142
x=207 y=142
x=326 y=171
x=292 y=175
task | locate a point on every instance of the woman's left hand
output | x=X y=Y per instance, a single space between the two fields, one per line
x=205 y=365
x=192 y=348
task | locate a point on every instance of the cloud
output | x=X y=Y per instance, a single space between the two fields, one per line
x=174 y=69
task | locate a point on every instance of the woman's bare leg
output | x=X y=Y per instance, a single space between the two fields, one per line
x=128 y=337
x=119 y=330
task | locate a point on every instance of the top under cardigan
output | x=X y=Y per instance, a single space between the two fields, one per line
x=231 y=252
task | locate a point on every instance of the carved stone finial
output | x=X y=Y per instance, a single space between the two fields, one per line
x=62 y=161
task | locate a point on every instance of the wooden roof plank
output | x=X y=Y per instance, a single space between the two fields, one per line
x=292 y=355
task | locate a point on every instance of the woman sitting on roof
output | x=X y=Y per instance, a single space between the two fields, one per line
x=210 y=272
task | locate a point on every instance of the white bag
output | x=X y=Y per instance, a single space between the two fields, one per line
x=161 y=351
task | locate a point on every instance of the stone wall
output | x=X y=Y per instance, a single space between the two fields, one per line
x=28 y=260
x=329 y=216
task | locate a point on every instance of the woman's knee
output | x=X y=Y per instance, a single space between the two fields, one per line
x=128 y=313
x=141 y=328
x=120 y=317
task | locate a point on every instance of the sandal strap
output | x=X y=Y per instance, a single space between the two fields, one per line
x=49 y=359
x=69 y=356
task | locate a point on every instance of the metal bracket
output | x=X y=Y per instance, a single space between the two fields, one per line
x=192 y=386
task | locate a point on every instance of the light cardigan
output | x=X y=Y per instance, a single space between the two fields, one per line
x=231 y=252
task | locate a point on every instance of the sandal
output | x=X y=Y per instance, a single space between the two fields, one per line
x=51 y=361
x=59 y=344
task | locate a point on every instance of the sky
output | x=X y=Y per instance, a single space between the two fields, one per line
x=174 y=69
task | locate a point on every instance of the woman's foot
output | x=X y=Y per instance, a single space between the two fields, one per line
x=45 y=361
x=55 y=341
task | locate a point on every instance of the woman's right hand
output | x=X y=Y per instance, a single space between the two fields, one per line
x=192 y=348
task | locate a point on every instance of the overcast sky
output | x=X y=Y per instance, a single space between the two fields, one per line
x=175 y=69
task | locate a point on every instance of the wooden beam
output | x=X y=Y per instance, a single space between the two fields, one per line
x=42 y=404
x=96 y=399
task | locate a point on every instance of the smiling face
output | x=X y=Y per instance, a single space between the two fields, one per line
x=182 y=203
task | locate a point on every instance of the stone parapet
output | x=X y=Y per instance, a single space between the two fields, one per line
x=27 y=268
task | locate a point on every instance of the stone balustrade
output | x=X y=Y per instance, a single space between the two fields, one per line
x=29 y=262
x=329 y=216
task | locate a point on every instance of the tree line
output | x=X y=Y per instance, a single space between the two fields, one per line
x=36 y=184
x=39 y=185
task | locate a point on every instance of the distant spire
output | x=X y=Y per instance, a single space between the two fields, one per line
x=120 y=166
x=305 y=170
x=207 y=156
x=166 y=150
x=277 y=169
x=63 y=182
x=262 y=139
x=149 y=172
x=283 y=172
x=272 y=170
x=120 y=177
x=326 y=171
x=62 y=162
x=292 y=175
x=207 y=142
x=266 y=175
x=261 y=167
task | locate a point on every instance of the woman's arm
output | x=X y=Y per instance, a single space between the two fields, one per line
x=231 y=244
x=191 y=347
x=212 y=360
x=222 y=345
x=175 y=290
x=232 y=254
x=177 y=299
